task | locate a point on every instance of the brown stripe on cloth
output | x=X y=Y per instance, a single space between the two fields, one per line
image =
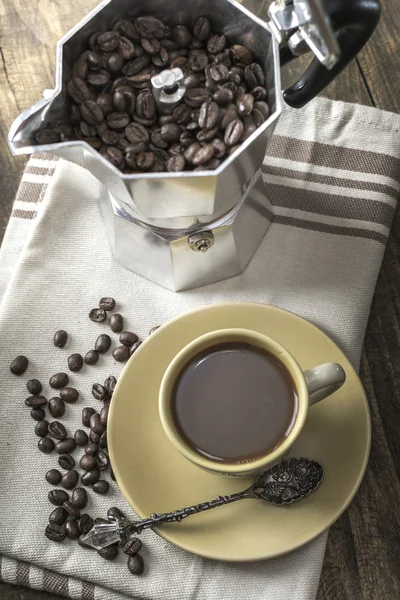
x=55 y=582
x=44 y=156
x=30 y=192
x=338 y=157
x=329 y=180
x=22 y=573
x=360 y=209
x=1 y=560
x=88 y=590
x=39 y=170
x=23 y=214
x=334 y=229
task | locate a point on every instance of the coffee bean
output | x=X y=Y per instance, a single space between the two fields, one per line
x=171 y=132
x=80 y=67
x=229 y=116
x=224 y=58
x=72 y=509
x=176 y=164
x=121 y=353
x=124 y=101
x=242 y=55
x=101 y=487
x=79 y=497
x=65 y=446
x=219 y=148
x=244 y=104
x=78 y=90
x=72 y=529
x=55 y=533
x=195 y=97
x=34 y=387
x=59 y=380
x=216 y=44
x=151 y=45
x=114 y=156
x=104 y=414
x=58 y=516
x=91 y=449
x=249 y=127
x=144 y=160
x=127 y=29
x=101 y=459
x=87 y=463
x=89 y=130
x=212 y=164
x=99 y=392
x=85 y=523
x=203 y=155
x=208 y=114
x=108 y=41
x=58 y=497
x=181 y=114
x=66 y=462
x=105 y=101
x=263 y=108
x=161 y=59
x=87 y=412
x=127 y=338
x=81 y=437
x=117 y=120
x=103 y=440
x=60 y=338
x=110 y=383
x=180 y=62
x=223 y=96
x=233 y=149
x=219 y=73
x=94 y=60
x=186 y=139
x=95 y=423
x=109 y=552
x=136 y=65
x=19 y=365
x=191 y=152
x=149 y=27
x=91 y=357
x=259 y=93
x=35 y=401
x=202 y=28
x=57 y=430
x=37 y=413
x=254 y=75
x=198 y=62
x=136 y=134
x=103 y=343
x=53 y=476
x=115 y=62
x=233 y=132
x=70 y=479
x=94 y=437
x=92 y=113
x=93 y=142
x=115 y=513
x=90 y=477
x=46 y=445
x=99 y=78
x=70 y=394
x=136 y=564
x=132 y=545
x=42 y=428
x=182 y=36
x=192 y=81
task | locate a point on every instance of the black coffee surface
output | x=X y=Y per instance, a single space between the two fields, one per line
x=234 y=403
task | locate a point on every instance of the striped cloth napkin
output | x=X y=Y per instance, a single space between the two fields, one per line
x=332 y=174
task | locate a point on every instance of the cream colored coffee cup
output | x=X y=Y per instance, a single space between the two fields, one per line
x=312 y=386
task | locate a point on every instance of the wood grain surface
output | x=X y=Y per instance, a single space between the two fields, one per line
x=362 y=560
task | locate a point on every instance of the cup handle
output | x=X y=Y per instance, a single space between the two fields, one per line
x=323 y=380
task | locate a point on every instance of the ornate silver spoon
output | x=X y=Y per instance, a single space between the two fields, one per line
x=288 y=481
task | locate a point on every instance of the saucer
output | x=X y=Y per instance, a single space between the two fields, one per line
x=154 y=477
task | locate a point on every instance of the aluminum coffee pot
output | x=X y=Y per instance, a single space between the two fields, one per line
x=183 y=230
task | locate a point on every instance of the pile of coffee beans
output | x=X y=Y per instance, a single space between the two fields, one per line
x=113 y=108
x=80 y=474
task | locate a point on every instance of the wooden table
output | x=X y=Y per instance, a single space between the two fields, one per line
x=362 y=560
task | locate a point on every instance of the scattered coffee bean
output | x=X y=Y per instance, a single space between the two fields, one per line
x=55 y=533
x=101 y=460
x=72 y=509
x=127 y=338
x=91 y=357
x=101 y=521
x=56 y=407
x=110 y=384
x=87 y=412
x=72 y=529
x=19 y=365
x=35 y=401
x=65 y=446
x=91 y=449
x=58 y=516
x=58 y=497
x=59 y=380
x=66 y=462
x=79 y=497
x=132 y=545
x=97 y=315
x=101 y=487
x=107 y=303
x=121 y=353
x=34 y=387
x=53 y=476
x=81 y=437
x=94 y=437
x=116 y=323
x=69 y=395
x=57 y=430
x=87 y=462
x=104 y=414
x=90 y=477
x=114 y=513
x=96 y=425
x=37 y=413
x=109 y=553
x=46 y=445
x=103 y=343
x=103 y=440
x=134 y=347
x=85 y=522
x=99 y=392
x=136 y=564
x=42 y=428
x=75 y=362
x=70 y=479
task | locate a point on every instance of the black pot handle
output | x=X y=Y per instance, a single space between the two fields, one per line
x=353 y=22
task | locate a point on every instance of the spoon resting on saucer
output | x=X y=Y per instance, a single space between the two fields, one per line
x=286 y=482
